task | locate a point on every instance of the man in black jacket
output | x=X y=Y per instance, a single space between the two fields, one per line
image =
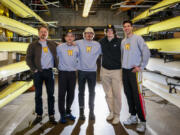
x=111 y=73
x=41 y=58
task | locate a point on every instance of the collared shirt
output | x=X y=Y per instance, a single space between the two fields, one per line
x=134 y=52
x=89 y=52
x=47 y=60
x=68 y=57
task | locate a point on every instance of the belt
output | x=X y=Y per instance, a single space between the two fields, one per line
x=128 y=69
x=66 y=71
x=48 y=69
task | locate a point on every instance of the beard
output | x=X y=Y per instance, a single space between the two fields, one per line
x=43 y=37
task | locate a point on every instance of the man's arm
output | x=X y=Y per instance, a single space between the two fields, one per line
x=145 y=53
x=121 y=49
x=30 y=58
x=99 y=49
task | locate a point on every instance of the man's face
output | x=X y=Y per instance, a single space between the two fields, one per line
x=89 y=35
x=69 y=38
x=43 y=33
x=127 y=28
x=110 y=33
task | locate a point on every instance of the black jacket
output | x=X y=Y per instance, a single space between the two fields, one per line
x=111 y=53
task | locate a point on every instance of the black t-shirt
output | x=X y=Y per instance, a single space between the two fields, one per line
x=111 y=53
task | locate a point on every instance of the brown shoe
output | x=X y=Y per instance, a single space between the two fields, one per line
x=37 y=120
x=52 y=120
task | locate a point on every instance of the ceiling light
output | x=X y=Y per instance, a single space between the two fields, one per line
x=87 y=7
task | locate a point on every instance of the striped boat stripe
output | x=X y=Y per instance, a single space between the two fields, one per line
x=141 y=98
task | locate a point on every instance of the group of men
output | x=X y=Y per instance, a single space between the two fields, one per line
x=122 y=64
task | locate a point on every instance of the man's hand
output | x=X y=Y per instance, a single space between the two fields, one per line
x=136 y=69
x=73 y=43
x=59 y=43
x=35 y=71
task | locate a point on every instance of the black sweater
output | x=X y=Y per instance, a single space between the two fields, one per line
x=111 y=53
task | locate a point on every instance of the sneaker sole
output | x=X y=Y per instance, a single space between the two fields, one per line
x=130 y=124
x=109 y=119
x=63 y=122
x=116 y=123
x=141 y=131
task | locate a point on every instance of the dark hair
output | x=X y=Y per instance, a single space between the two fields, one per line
x=69 y=31
x=128 y=21
x=43 y=26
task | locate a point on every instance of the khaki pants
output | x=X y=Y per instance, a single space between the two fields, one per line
x=112 y=84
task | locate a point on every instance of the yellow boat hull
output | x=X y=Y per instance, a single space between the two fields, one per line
x=154 y=9
x=13 y=46
x=17 y=27
x=13 y=91
x=169 y=24
x=166 y=45
x=13 y=69
x=20 y=9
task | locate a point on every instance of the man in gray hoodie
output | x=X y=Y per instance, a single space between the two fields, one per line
x=135 y=55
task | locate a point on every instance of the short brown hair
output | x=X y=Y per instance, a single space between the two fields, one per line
x=43 y=26
x=128 y=21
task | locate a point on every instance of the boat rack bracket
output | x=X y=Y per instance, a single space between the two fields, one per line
x=168 y=58
x=144 y=90
x=172 y=86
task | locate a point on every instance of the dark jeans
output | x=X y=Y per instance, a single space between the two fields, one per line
x=66 y=83
x=90 y=77
x=47 y=76
x=133 y=90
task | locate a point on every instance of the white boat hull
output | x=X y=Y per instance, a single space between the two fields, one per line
x=157 y=84
x=171 y=69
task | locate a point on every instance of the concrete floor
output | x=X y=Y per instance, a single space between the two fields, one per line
x=163 y=118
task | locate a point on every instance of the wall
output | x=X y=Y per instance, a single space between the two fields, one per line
x=68 y=17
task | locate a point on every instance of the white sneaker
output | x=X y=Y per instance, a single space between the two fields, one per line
x=115 y=121
x=141 y=127
x=131 y=120
x=110 y=116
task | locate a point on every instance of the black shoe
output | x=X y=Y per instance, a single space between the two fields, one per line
x=82 y=116
x=37 y=120
x=52 y=120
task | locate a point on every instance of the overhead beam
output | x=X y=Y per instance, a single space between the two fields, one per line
x=127 y=5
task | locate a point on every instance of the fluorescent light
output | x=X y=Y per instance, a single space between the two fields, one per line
x=87 y=7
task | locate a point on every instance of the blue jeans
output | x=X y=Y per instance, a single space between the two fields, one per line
x=90 y=77
x=47 y=76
